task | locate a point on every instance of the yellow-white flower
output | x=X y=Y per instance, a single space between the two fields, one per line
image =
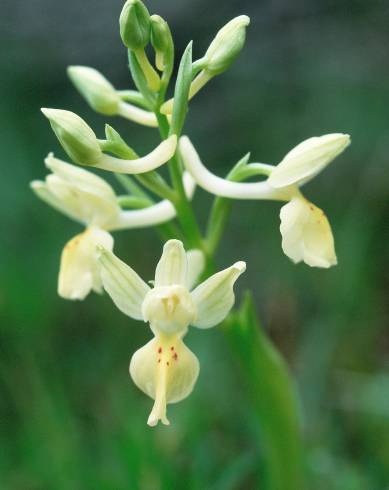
x=165 y=369
x=306 y=232
x=88 y=199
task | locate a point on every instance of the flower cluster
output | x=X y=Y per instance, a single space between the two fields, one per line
x=165 y=369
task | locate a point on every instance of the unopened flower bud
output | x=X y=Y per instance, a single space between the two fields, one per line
x=76 y=137
x=134 y=24
x=162 y=41
x=96 y=89
x=227 y=45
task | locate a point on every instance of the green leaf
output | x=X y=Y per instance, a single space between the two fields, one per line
x=140 y=80
x=181 y=92
x=273 y=396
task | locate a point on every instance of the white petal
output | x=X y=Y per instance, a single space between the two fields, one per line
x=140 y=116
x=306 y=234
x=215 y=297
x=172 y=266
x=80 y=178
x=222 y=187
x=160 y=155
x=196 y=265
x=308 y=159
x=88 y=207
x=123 y=284
x=153 y=215
x=166 y=370
x=42 y=191
x=79 y=270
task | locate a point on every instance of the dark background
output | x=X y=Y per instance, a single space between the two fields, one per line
x=70 y=416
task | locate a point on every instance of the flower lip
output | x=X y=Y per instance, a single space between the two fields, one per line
x=306 y=234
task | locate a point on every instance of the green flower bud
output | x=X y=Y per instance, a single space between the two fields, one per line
x=76 y=137
x=162 y=41
x=227 y=45
x=134 y=24
x=96 y=89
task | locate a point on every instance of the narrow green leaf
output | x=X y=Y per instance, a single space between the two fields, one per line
x=273 y=396
x=181 y=92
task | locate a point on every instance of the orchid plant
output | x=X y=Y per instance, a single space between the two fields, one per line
x=186 y=290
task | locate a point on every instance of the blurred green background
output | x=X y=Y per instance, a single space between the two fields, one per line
x=70 y=416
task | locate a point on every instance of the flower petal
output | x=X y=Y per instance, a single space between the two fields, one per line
x=308 y=159
x=79 y=269
x=88 y=207
x=166 y=370
x=172 y=266
x=160 y=155
x=306 y=234
x=42 y=191
x=79 y=177
x=215 y=297
x=126 y=289
x=196 y=265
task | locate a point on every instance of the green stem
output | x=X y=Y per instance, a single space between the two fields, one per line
x=221 y=206
x=183 y=206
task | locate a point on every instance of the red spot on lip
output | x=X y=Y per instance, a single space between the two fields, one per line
x=171 y=348
x=159 y=350
x=167 y=364
x=159 y=360
x=175 y=356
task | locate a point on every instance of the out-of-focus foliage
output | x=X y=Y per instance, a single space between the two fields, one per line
x=70 y=418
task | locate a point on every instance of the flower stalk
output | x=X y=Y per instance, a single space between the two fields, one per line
x=165 y=369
